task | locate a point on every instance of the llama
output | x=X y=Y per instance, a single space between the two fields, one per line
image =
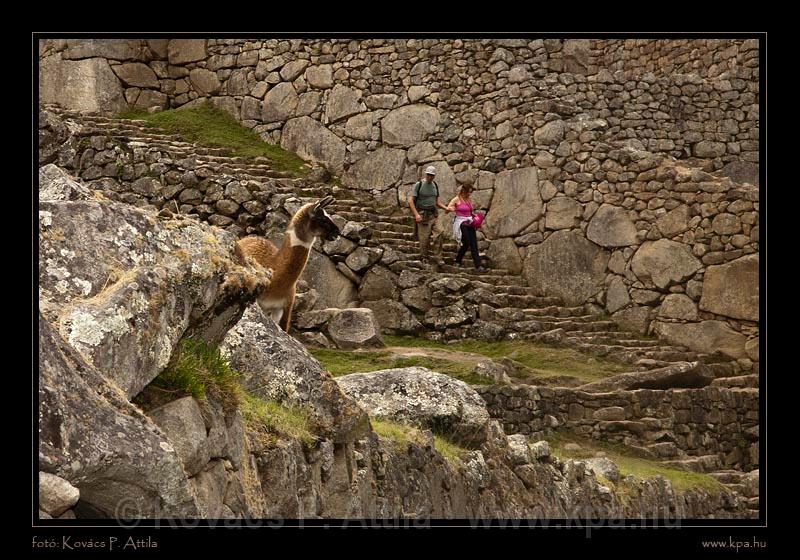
x=288 y=262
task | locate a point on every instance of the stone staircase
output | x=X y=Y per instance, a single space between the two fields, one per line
x=501 y=296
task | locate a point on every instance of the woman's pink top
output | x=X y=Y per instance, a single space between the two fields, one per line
x=464 y=208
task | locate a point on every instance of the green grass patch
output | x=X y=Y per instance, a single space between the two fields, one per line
x=213 y=127
x=196 y=369
x=403 y=435
x=539 y=360
x=341 y=362
x=272 y=418
x=630 y=461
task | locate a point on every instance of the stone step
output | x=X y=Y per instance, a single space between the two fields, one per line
x=531 y=328
x=701 y=463
x=737 y=381
x=541 y=312
x=753 y=504
x=727 y=476
x=583 y=338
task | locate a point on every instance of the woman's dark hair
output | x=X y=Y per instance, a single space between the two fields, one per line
x=465 y=189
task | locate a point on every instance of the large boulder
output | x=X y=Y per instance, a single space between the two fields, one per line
x=611 y=226
x=355 y=327
x=81 y=85
x=377 y=170
x=550 y=133
x=378 y=283
x=280 y=103
x=706 y=336
x=91 y=436
x=562 y=213
x=136 y=74
x=419 y=396
x=343 y=102
x=567 y=265
x=674 y=222
x=663 y=263
x=732 y=289
x=409 y=125
x=182 y=422
x=275 y=366
x=312 y=141
x=516 y=203
x=123 y=286
x=181 y=51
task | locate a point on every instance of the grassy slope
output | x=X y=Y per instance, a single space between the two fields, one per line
x=629 y=461
x=402 y=435
x=209 y=126
x=537 y=360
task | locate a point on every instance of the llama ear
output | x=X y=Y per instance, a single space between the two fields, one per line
x=326 y=201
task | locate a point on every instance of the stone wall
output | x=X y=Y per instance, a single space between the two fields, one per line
x=630 y=165
x=667 y=423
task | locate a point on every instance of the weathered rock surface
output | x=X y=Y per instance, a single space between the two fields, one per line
x=421 y=397
x=681 y=374
x=516 y=203
x=91 y=436
x=355 y=328
x=377 y=170
x=277 y=367
x=394 y=315
x=732 y=289
x=409 y=125
x=81 y=85
x=705 y=336
x=611 y=226
x=56 y=495
x=566 y=265
x=313 y=141
x=663 y=262
x=124 y=287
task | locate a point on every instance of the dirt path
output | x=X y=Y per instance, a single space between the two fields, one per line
x=453 y=355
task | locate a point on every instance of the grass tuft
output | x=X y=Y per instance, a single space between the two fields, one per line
x=272 y=418
x=403 y=435
x=196 y=369
x=213 y=127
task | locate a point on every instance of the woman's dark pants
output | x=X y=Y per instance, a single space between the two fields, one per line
x=469 y=241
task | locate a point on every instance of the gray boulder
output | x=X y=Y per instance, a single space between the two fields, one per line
x=421 y=397
x=663 y=263
x=124 y=287
x=277 y=367
x=91 y=436
x=182 y=422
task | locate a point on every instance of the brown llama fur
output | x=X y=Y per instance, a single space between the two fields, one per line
x=288 y=261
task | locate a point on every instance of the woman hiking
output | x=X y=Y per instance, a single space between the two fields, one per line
x=464 y=226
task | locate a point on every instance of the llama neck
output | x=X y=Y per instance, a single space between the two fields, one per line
x=294 y=254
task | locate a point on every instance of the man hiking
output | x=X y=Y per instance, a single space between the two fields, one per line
x=424 y=202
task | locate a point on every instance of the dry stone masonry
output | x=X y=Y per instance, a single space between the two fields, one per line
x=620 y=174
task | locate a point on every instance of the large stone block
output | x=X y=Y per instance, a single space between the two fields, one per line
x=312 y=141
x=706 y=336
x=81 y=85
x=377 y=170
x=732 y=289
x=516 y=203
x=409 y=125
x=663 y=263
x=567 y=265
x=611 y=226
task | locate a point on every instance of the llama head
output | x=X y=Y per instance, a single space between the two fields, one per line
x=320 y=223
